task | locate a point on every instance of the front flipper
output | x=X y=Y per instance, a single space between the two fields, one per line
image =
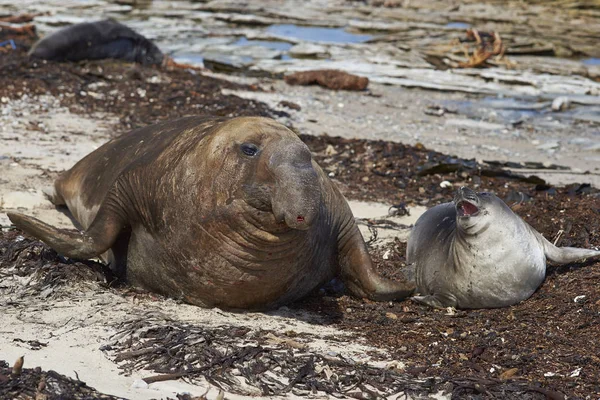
x=100 y=236
x=358 y=273
x=435 y=301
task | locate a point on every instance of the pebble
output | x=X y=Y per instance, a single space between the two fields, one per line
x=575 y=373
x=548 y=146
x=561 y=103
x=330 y=150
x=139 y=384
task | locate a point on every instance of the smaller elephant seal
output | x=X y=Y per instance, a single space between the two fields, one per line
x=230 y=213
x=95 y=41
x=476 y=253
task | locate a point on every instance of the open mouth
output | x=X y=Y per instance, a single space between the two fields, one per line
x=466 y=209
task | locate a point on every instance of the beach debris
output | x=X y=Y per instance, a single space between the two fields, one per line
x=509 y=373
x=471 y=167
x=329 y=78
x=20 y=18
x=388 y=3
x=34 y=383
x=139 y=384
x=50 y=273
x=27 y=30
x=96 y=41
x=579 y=299
x=253 y=365
x=290 y=105
x=10 y=42
x=438 y=111
x=575 y=373
x=18 y=366
x=488 y=44
x=561 y=103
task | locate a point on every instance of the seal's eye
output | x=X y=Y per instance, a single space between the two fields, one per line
x=249 y=149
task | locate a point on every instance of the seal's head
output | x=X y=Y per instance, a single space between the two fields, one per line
x=270 y=169
x=474 y=210
x=147 y=53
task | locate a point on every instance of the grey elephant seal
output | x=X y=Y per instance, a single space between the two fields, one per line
x=476 y=253
x=95 y=41
x=229 y=213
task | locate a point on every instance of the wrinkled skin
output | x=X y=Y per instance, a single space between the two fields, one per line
x=228 y=213
x=476 y=253
x=95 y=41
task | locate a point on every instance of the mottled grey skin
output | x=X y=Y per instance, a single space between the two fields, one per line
x=486 y=257
x=182 y=210
x=95 y=41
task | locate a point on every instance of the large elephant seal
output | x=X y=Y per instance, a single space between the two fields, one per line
x=476 y=253
x=95 y=41
x=229 y=213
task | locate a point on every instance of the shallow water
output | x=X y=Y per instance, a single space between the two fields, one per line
x=284 y=46
x=317 y=34
x=458 y=25
x=592 y=61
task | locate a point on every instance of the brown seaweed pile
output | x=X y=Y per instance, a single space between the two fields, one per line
x=36 y=384
x=238 y=360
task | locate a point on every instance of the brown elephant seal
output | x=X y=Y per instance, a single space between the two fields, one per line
x=228 y=213
x=476 y=253
x=95 y=41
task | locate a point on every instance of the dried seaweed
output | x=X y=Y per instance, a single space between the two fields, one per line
x=33 y=383
x=245 y=362
x=488 y=44
x=23 y=256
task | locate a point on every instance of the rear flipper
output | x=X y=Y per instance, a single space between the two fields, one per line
x=564 y=255
x=74 y=244
x=360 y=277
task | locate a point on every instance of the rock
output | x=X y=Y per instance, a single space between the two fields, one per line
x=509 y=373
x=332 y=79
x=548 y=146
x=561 y=103
x=139 y=384
x=290 y=105
x=305 y=50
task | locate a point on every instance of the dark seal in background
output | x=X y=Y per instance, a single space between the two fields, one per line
x=95 y=41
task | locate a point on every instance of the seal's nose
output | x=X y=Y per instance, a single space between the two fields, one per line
x=467 y=193
x=297 y=194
